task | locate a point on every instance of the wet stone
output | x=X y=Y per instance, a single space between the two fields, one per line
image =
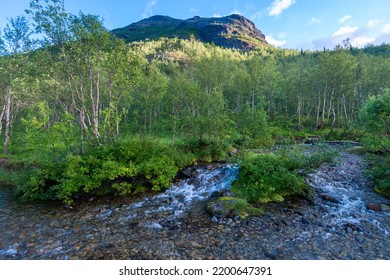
x=329 y=198
x=385 y=207
x=374 y=207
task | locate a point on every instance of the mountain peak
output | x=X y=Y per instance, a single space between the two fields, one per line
x=233 y=31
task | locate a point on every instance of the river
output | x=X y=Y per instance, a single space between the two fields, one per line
x=175 y=225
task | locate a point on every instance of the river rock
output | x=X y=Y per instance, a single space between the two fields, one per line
x=189 y=172
x=223 y=207
x=374 y=207
x=385 y=207
x=357 y=150
x=370 y=184
x=329 y=198
x=311 y=140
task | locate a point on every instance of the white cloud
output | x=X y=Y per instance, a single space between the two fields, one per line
x=216 y=15
x=362 y=41
x=236 y=11
x=345 y=31
x=274 y=42
x=148 y=11
x=315 y=20
x=373 y=23
x=256 y=16
x=193 y=10
x=386 y=28
x=374 y=31
x=344 y=18
x=278 y=6
x=282 y=35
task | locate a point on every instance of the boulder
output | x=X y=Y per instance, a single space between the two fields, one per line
x=189 y=172
x=311 y=140
x=374 y=207
x=385 y=207
x=329 y=198
x=223 y=207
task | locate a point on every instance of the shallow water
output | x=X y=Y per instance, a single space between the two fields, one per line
x=175 y=225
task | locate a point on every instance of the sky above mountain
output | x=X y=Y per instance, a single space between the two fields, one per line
x=306 y=24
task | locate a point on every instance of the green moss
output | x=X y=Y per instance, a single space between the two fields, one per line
x=359 y=150
x=227 y=198
x=242 y=207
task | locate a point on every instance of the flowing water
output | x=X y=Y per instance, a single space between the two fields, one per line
x=175 y=225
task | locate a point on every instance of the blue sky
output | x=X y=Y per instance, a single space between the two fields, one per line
x=307 y=24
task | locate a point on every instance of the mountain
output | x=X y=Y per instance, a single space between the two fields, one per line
x=234 y=31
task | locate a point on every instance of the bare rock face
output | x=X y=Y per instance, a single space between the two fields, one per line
x=234 y=31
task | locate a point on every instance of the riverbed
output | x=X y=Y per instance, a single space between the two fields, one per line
x=338 y=224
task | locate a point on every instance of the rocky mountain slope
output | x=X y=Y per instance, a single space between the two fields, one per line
x=234 y=31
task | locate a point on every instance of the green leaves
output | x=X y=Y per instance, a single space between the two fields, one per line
x=127 y=167
x=17 y=35
x=375 y=118
x=264 y=178
x=272 y=177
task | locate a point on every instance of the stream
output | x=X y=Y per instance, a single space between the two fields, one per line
x=346 y=221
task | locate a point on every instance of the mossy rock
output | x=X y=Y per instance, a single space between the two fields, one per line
x=221 y=207
x=230 y=207
x=358 y=150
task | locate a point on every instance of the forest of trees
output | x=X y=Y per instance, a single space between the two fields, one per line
x=82 y=111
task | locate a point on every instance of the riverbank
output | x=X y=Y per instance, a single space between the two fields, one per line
x=166 y=227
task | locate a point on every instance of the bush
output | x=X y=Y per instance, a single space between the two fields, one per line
x=253 y=130
x=267 y=177
x=206 y=149
x=272 y=177
x=375 y=118
x=380 y=172
x=123 y=168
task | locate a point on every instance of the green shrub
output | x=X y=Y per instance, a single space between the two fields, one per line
x=206 y=149
x=375 y=119
x=272 y=177
x=267 y=177
x=126 y=167
x=380 y=172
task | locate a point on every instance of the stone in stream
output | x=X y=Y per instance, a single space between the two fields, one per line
x=374 y=207
x=385 y=207
x=311 y=140
x=189 y=172
x=329 y=198
x=223 y=207
x=350 y=228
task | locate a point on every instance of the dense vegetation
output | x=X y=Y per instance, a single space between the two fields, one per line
x=273 y=176
x=82 y=113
